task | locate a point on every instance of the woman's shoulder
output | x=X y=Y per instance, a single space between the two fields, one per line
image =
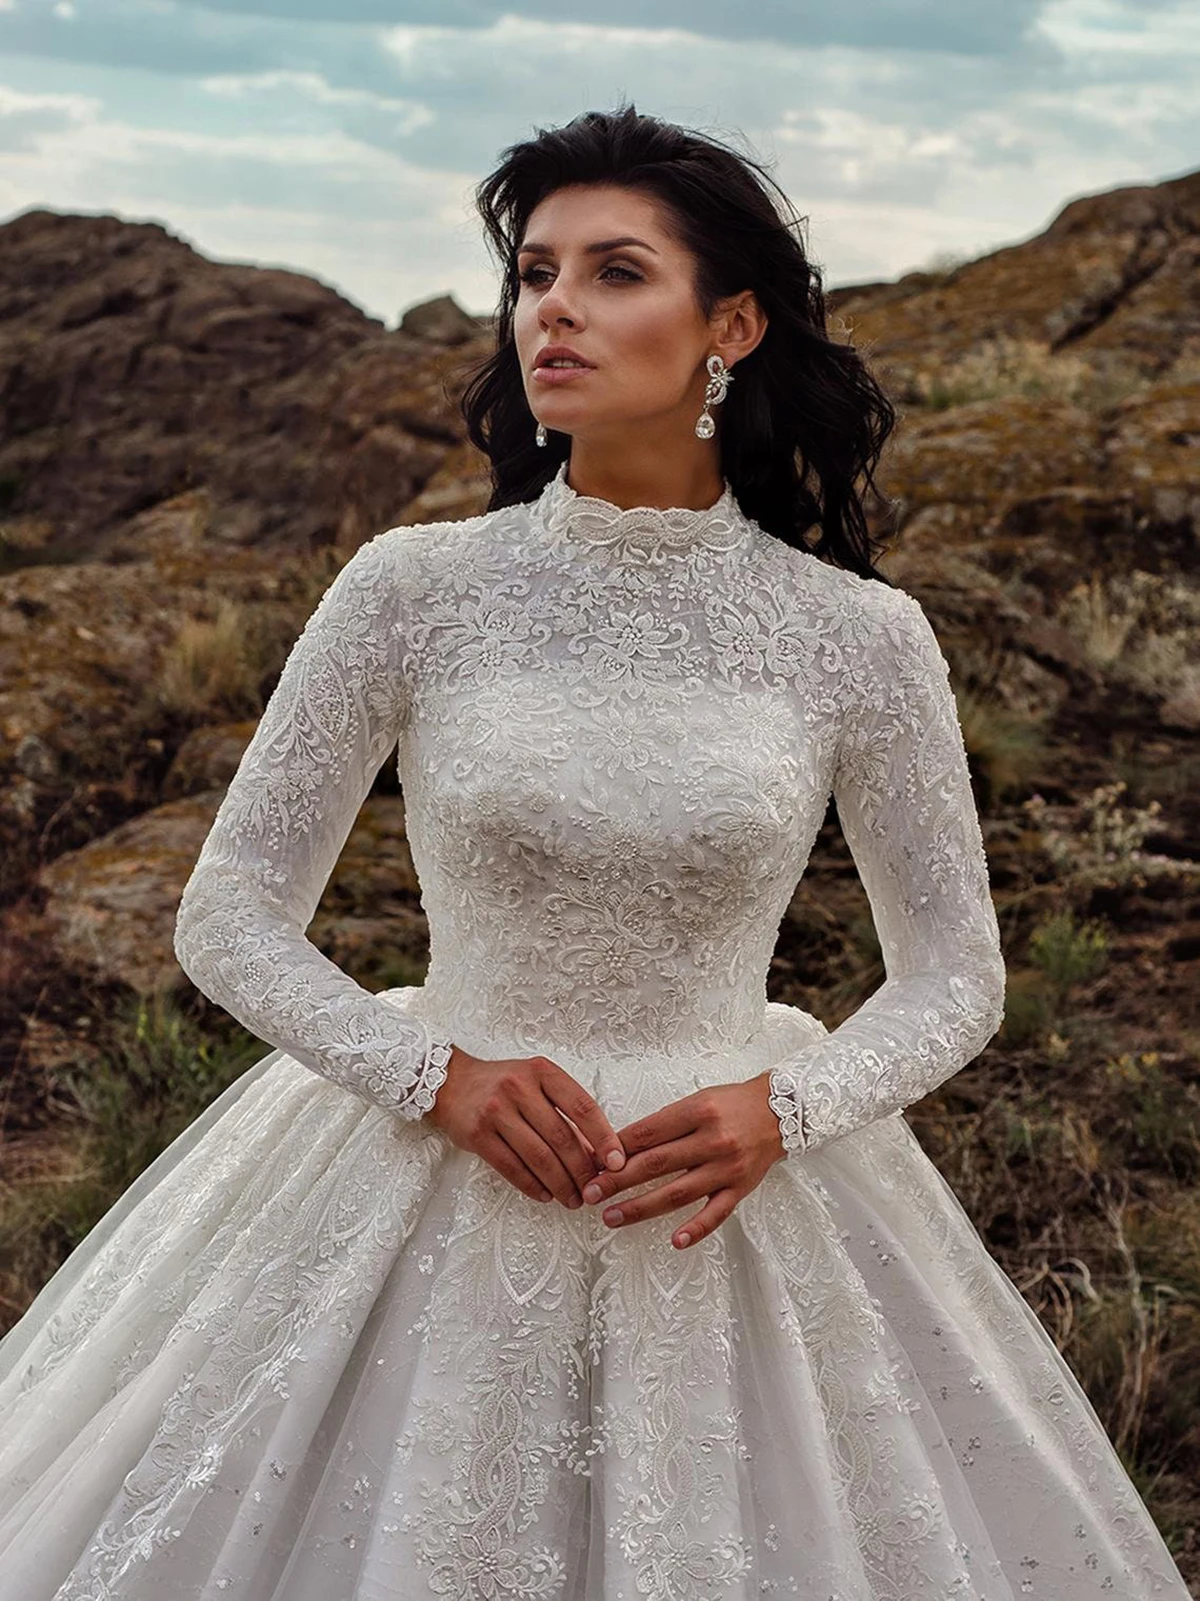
x=844 y=600
x=408 y=557
x=434 y=535
x=454 y=536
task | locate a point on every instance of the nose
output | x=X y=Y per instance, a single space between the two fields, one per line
x=554 y=308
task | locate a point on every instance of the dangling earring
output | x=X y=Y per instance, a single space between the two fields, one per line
x=719 y=381
x=540 y=436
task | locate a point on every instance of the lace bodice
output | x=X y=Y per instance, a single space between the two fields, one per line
x=618 y=731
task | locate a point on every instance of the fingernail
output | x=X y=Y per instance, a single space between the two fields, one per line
x=615 y=1159
x=683 y=1239
x=592 y=1192
x=613 y=1215
x=574 y=1203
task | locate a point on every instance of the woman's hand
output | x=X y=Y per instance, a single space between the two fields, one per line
x=721 y=1140
x=514 y=1113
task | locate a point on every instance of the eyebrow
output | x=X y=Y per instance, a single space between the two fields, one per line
x=596 y=249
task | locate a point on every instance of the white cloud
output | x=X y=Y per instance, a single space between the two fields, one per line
x=351 y=150
x=1116 y=30
x=312 y=86
x=382 y=230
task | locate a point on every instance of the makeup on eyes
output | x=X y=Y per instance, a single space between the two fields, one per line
x=527 y=274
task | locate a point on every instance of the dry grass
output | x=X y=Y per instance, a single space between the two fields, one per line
x=213 y=667
x=1142 y=629
x=1004 y=366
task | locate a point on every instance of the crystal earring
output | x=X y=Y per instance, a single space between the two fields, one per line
x=719 y=381
x=540 y=436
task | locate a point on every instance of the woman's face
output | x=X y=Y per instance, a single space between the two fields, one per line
x=601 y=275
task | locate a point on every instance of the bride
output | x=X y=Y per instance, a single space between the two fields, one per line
x=581 y=1270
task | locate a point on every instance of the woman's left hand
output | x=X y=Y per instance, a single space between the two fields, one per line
x=721 y=1141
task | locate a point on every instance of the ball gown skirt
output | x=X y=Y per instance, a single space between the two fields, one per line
x=316 y=1353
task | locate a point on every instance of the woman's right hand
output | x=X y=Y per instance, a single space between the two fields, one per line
x=513 y=1112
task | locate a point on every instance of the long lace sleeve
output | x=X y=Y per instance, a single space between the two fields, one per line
x=907 y=810
x=337 y=711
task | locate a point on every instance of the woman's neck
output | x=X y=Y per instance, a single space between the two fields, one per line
x=693 y=483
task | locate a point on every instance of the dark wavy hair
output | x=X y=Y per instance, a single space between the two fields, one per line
x=801 y=430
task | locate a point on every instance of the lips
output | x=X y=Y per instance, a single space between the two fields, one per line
x=551 y=353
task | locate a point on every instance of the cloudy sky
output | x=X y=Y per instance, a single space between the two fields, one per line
x=343 y=137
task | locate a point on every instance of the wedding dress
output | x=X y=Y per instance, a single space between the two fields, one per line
x=317 y=1352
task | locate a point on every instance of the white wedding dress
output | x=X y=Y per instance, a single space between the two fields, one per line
x=317 y=1352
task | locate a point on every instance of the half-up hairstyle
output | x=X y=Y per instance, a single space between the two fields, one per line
x=803 y=427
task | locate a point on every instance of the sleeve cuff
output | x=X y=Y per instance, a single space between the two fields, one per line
x=784 y=1101
x=418 y=1097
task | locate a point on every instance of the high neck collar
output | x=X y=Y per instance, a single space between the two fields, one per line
x=593 y=521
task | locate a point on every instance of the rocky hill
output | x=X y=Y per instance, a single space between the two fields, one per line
x=188 y=451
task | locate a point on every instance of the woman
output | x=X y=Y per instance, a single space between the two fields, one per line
x=581 y=1270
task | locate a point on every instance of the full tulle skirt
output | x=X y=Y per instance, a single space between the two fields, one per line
x=317 y=1353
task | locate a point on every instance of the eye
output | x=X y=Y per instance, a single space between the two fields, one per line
x=533 y=275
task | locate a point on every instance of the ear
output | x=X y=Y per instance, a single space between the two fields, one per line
x=737 y=326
